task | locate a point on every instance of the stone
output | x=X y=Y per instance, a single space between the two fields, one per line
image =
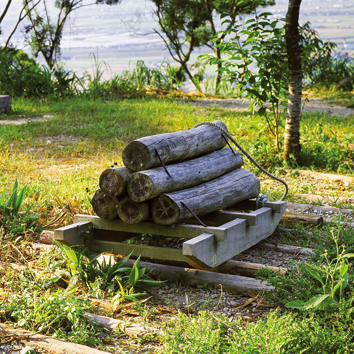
x=5 y=103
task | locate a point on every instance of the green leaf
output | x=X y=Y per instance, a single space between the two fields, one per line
x=316 y=301
x=299 y=305
x=315 y=275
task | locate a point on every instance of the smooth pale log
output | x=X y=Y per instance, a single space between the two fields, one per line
x=46 y=237
x=247 y=268
x=310 y=207
x=132 y=212
x=288 y=249
x=48 y=344
x=149 y=184
x=112 y=325
x=326 y=176
x=303 y=219
x=113 y=180
x=140 y=154
x=105 y=206
x=214 y=195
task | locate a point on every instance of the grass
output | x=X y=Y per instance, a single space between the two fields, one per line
x=60 y=161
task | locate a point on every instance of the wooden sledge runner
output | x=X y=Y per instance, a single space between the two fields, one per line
x=228 y=233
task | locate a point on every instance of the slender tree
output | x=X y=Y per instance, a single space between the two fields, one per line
x=292 y=125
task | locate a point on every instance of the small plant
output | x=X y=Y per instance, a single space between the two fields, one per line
x=105 y=278
x=333 y=275
x=10 y=217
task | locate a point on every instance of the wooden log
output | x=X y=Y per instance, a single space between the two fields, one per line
x=141 y=154
x=247 y=268
x=303 y=219
x=112 y=324
x=235 y=283
x=325 y=199
x=327 y=176
x=46 y=237
x=149 y=184
x=287 y=249
x=132 y=212
x=224 y=191
x=113 y=181
x=310 y=207
x=105 y=206
x=49 y=344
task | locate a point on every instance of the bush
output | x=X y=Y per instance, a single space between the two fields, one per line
x=21 y=75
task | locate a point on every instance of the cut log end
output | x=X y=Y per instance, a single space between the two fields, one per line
x=132 y=212
x=113 y=180
x=136 y=156
x=139 y=187
x=105 y=206
x=165 y=211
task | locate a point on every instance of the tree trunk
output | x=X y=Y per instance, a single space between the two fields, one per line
x=141 y=154
x=113 y=180
x=105 y=206
x=292 y=126
x=150 y=183
x=132 y=212
x=222 y=192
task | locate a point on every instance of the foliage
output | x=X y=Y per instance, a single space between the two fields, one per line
x=21 y=75
x=105 y=278
x=276 y=333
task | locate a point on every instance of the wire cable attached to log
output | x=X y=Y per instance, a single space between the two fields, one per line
x=227 y=134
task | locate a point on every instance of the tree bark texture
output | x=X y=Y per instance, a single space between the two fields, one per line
x=140 y=154
x=222 y=192
x=132 y=212
x=292 y=125
x=105 y=206
x=150 y=183
x=113 y=180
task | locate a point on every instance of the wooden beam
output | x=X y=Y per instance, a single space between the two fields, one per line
x=73 y=234
x=326 y=176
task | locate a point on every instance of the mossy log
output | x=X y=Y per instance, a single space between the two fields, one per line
x=140 y=154
x=148 y=184
x=113 y=180
x=222 y=192
x=105 y=206
x=132 y=212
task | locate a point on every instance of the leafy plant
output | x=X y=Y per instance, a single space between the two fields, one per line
x=333 y=276
x=105 y=278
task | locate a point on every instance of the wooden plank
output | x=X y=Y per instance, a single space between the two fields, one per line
x=179 y=230
x=73 y=234
x=161 y=253
x=149 y=184
x=276 y=206
x=207 y=251
x=221 y=192
x=301 y=218
x=140 y=154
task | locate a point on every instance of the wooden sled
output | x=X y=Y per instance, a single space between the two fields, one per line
x=228 y=233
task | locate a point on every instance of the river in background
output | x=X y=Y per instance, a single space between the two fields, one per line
x=121 y=34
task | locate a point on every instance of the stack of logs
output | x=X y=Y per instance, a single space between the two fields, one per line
x=173 y=176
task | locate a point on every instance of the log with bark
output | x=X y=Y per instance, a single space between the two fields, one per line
x=222 y=192
x=132 y=212
x=113 y=180
x=145 y=153
x=150 y=183
x=105 y=206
